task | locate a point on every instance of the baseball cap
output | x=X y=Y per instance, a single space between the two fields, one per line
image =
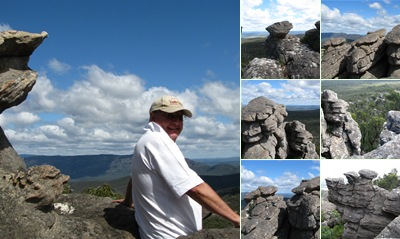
x=169 y=104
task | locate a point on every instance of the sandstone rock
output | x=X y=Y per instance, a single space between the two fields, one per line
x=373 y=56
x=273 y=218
x=279 y=29
x=265 y=135
x=393 y=42
x=286 y=56
x=334 y=58
x=16 y=79
x=341 y=137
x=361 y=204
x=263 y=68
x=391 y=231
x=312 y=38
x=366 y=51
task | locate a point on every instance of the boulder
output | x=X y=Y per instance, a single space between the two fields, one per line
x=265 y=135
x=365 y=208
x=341 y=136
x=268 y=216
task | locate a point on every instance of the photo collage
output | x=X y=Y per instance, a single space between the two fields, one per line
x=320 y=119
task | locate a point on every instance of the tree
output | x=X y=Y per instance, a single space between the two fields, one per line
x=388 y=181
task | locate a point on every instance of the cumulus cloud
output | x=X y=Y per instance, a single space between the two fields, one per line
x=333 y=20
x=4 y=27
x=256 y=15
x=58 y=66
x=291 y=92
x=375 y=5
x=105 y=112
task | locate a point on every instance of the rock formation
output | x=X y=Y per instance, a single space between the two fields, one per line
x=267 y=215
x=265 y=135
x=31 y=200
x=373 y=56
x=287 y=56
x=340 y=135
x=389 y=139
x=367 y=210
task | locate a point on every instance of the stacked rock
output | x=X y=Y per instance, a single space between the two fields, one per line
x=263 y=130
x=265 y=135
x=393 y=51
x=366 y=51
x=366 y=209
x=287 y=56
x=341 y=136
x=334 y=60
x=267 y=215
x=300 y=140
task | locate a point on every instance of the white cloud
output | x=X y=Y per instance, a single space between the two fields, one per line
x=333 y=20
x=256 y=15
x=58 y=66
x=375 y=5
x=5 y=27
x=291 y=92
x=220 y=99
x=336 y=168
x=105 y=112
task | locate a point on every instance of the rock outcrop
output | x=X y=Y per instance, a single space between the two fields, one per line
x=389 y=139
x=265 y=135
x=373 y=56
x=340 y=134
x=367 y=210
x=31 y=200
x=287 y=56
x=267 y=215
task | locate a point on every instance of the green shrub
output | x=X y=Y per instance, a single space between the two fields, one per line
x=103 y=191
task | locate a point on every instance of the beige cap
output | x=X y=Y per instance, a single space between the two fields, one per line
x=169 y=104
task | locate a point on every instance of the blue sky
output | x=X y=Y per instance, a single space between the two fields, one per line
x=287 y=92
x=105 y=62
x=284 y=174
x=359 y=17
x=335 y=168
x=256 y=15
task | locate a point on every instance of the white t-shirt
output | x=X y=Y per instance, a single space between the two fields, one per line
x=160 y=180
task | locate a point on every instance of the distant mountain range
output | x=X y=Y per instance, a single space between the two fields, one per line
x=349 y=37
x=255 y=34
x=111 y=167
x=302 y=107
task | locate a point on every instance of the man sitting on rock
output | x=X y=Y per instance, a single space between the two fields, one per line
x=167 y=194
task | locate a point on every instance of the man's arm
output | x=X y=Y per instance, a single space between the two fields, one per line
x=208 y=198
x=128 y=195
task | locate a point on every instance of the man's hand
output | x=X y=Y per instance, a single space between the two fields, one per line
x=124 y=202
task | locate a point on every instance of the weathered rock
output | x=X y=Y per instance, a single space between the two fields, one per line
x=334 y=58
x=263 y=68
x=366 y=51
x=265 y=135
x=273 y=218
x=16 y=79
x=341 y=136
x=286 y=56
x=312 y=38
x=393 y=42
x=279 y=29
x=391 y=231
x=361 y=204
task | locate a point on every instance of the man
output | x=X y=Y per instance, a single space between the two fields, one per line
x=167 y=194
